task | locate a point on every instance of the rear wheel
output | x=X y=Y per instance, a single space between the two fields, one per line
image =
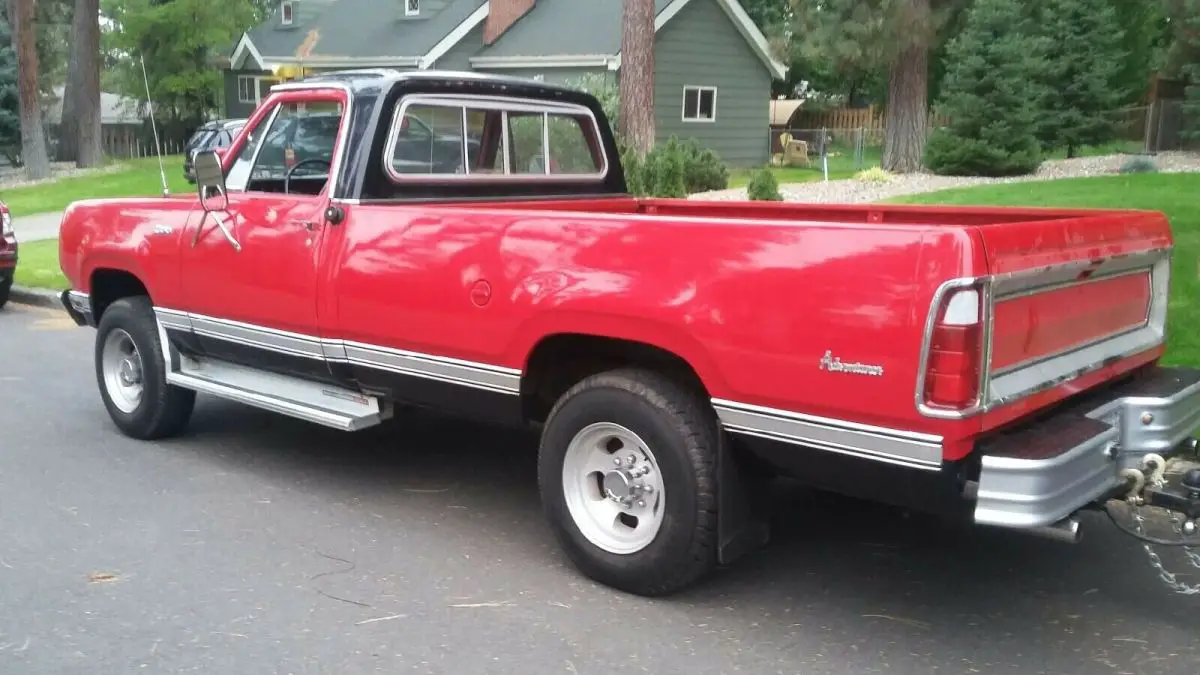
x=129 y=370
x=627 y=475
x=5 y=291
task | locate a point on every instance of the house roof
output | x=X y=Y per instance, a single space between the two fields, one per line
x=114 y=108
x=561 y=27
x=564 y=33
x=334 y=33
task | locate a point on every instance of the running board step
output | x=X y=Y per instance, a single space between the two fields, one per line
x=311 y=401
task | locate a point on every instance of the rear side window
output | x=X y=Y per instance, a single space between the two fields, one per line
x=487 y=139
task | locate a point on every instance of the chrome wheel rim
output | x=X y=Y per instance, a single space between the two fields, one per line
x=613 y=488
x=122 y=366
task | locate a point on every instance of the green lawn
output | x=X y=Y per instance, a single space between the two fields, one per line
x=136 y=178
x=1173 y=194
x=37 y=266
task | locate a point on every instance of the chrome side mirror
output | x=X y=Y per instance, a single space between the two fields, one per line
x=210 y=181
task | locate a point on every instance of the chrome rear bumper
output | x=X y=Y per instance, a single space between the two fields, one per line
x=1041 y=474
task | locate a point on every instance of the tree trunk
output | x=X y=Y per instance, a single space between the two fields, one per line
x=907 y=120
x=637 y=75
x=33 y=138
x=85 y=65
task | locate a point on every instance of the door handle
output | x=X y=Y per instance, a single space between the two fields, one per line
x=308 y=224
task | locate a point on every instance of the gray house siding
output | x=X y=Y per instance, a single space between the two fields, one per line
x=234 y=107
x=702 y=47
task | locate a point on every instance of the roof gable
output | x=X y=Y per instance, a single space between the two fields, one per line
x=339 y=37
x=554 y=31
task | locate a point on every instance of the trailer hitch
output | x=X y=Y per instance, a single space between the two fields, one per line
x=1149 y=488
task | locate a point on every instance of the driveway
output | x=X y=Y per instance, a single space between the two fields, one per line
x=37 y=227
x=258 y=544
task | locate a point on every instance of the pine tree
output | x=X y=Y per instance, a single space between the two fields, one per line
x=10 y=110
x=1188 y=53
x=1084 y=60
x=991 y=94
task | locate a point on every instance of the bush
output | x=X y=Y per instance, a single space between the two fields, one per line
x=1139 y=164
x=763 y=187
x=703 y=169
x=951 y=155
x=874 y=175
x=674 y=169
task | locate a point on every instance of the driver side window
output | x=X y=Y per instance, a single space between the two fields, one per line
x=296 y=148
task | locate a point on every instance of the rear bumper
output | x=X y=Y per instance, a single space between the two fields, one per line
x=78 y=306
x=1047 y=471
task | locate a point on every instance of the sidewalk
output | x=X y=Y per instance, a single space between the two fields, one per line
x=37 y=227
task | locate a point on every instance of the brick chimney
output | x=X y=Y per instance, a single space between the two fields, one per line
x=501 y=15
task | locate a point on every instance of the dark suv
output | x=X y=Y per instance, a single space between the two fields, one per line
x=211 y=136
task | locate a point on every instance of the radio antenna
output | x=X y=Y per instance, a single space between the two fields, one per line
x=162 y=173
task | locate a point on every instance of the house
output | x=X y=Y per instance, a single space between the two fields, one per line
x=121 y=123
x=713 y=67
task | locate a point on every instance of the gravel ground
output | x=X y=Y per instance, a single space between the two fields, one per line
x=14 y=177
x=851 y=191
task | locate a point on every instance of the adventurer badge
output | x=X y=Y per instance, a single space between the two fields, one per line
x=835 y=365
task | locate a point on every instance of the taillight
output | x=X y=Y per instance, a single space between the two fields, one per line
x=952 y=368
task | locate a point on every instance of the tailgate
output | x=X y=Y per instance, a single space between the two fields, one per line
x=1073 y=295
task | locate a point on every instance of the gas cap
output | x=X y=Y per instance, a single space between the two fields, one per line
x=481 y=293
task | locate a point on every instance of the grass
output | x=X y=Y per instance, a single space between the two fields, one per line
x=1172 y=194
x=136 y=178
x=37 y=266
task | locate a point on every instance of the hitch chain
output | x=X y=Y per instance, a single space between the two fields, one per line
x=1156 y=466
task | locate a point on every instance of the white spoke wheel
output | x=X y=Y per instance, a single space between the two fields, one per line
x=627 y=469
x=613 y=488
x=129 y=370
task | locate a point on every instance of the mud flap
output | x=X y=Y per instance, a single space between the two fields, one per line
x=743 y=503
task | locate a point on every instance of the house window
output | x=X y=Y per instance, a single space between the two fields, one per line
x=247 y=89
x=412 y=7
x=286 y=12
x=699 y=104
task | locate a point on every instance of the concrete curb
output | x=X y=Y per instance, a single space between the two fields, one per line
x=39 y=297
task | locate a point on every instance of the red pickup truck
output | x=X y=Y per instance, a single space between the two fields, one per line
x=468 y=243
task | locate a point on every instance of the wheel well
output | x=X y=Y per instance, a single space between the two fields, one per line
x=559 y=361
x=108 y=286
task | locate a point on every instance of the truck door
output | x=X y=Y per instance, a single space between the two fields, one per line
x=252 y=295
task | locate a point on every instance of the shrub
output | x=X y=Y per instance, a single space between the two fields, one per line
x=763 y=187
x=674 y=169
x=703 y=169
x=1139 y=164
x=874 y=174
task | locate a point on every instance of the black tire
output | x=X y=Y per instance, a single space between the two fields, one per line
x=164 y=410
x=682 y=431
x=5 y=292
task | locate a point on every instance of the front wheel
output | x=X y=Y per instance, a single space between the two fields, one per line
x=129 y=370
x=626 y=470
x=5 y=292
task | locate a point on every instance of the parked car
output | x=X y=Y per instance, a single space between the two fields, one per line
x=214 y=135
x=994 y=365
x=8 y=254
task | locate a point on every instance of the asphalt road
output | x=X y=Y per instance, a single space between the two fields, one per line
x=256 y=544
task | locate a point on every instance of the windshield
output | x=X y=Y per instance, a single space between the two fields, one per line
x=199 y=138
